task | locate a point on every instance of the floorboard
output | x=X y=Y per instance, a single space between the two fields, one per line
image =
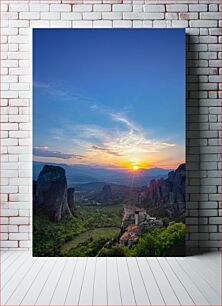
x=212 y=278
x=73 y=294
x=188 y=282
x=113 y=284
x=182 y=295
x=127 y=292
x=11 y=261
x=165 y=286
x=5 y=256
x=141 y=295
x=100 y=282
x=38 y=284
x=211 y=260
x=208 y=292
x=47 y=292
x=61 y=290
x=23 y=287
x=153 y=291
x=193 y=280
x=86 y=294
x=18 y=277
x=13 y=269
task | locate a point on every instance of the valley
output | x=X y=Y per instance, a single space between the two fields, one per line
x=101 y=219
x=66 y=237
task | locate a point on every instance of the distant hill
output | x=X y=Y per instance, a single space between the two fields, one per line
x=83 y=174
x=155 y=171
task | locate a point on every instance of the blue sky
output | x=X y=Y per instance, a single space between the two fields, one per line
x=109 y=96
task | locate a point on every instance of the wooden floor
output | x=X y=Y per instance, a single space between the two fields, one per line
x=110 y=281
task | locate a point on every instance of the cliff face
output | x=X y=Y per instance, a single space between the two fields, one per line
x=52 y=192
x=105 y=196
x=71 y=198
x=162 y=192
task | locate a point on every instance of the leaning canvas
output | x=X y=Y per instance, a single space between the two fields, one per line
x=109 y=142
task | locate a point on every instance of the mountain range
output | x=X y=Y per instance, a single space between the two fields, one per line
x=82 y=174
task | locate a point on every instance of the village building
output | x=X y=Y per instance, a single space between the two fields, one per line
x=135 y=222
x=130 y=235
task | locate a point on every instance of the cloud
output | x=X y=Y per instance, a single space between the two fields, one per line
x=94 y=107
x=126 y=142
x=106 y=150
x=106 y=110
x=125 y=121
x=44 y=151
x=60 y=91
x=55 y=90
x=135 y=139
x=119 y=143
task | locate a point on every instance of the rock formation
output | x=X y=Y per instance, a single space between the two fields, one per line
x=71 y=199
x=105 y=196
x=52 y=191
x=163 y=192
x=135 y=222
x=34 y=191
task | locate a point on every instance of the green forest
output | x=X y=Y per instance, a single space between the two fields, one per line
x=75 y=235
x=95 y=231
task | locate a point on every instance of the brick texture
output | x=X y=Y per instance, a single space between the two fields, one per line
x=201 y=18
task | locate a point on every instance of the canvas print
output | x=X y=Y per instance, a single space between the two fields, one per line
x=108 y=142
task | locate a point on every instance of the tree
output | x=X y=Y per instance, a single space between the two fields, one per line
x=168 y=241
x=114 y=251
x=165 y=221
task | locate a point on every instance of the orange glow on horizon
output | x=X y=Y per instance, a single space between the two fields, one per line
x=134 y=165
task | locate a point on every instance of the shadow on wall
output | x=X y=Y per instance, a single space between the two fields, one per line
x=193 y=141
x=192 y=146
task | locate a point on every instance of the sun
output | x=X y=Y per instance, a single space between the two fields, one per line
x=135 y=168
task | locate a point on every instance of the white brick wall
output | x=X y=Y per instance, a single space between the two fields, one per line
x=201 y=19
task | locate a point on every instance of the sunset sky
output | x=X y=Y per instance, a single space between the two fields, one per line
x=109 y=97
